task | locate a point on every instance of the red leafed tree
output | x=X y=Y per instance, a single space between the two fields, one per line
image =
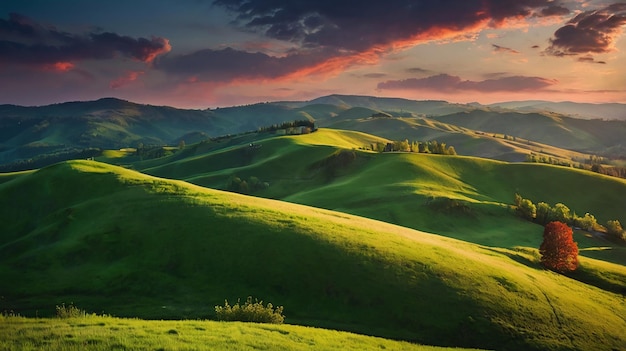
x=558 y=250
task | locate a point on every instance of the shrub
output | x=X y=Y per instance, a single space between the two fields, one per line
x=250 y=312
x=70 y=311
x=588 y=222
x=558 y=250
x=614 y=228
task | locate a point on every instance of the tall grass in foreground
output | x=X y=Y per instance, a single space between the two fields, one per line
x=95 y=333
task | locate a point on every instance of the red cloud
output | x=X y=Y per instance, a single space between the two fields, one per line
x=334 y=35
x=59 y=66
x=129 y=77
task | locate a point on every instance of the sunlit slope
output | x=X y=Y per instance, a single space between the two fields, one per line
x=545 y=127
x=96 y=333
x=118 y=241
x=327 y=169
x=466 y=141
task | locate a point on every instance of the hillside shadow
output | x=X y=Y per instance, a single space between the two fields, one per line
x=517 y=256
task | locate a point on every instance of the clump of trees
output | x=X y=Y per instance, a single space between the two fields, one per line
x=594 y=163
x=250 y=312
x=303 y=126
x=426 y=147
x=614 y=228
x=558 y=250
x=333 y=164
x=542 y=213
x=248 y=186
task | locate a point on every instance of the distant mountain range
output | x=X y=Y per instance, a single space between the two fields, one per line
x=47 y=134
x=606 y=111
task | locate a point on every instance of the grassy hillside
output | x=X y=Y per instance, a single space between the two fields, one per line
x=114 y=240
x=466 y=141
x=107 y=333
x=414 y=190
x=33 y=137
x=547 y=128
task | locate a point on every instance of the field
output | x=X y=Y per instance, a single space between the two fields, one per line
x=109 y=333
x=419 y=191
x=133 y=245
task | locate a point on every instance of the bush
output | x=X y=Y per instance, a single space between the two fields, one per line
x=250 y=312
x=614 y=229
x=70 y=311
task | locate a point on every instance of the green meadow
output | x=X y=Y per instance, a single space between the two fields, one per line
x=331 y=169
x=110 y=333
x=337 y=234
x=119 y=242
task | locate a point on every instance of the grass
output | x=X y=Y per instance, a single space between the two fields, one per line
x=405 y=189
x=108 y=333
x=169 y=249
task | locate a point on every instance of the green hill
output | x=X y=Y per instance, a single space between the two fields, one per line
x=466 y=141
x=114 y=240
x=326 y=169
x=33 y=137
x=109 y=333
x=548 y=128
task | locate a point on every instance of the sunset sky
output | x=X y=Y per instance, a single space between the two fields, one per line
x=204 y=53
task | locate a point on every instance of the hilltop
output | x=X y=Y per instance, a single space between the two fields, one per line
x=136 y=245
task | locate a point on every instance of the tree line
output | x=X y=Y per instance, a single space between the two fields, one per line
x=425 y=147
x=542 y=213
x=594 y=163
x=304 y=123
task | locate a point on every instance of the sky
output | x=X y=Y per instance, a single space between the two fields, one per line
x=213 y=53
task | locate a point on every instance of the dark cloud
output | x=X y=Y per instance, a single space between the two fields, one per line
x=590 y=32
x=498 y=48
x=229 y=64
x=417 y=70
x=590 y=59
x=448 y=83
x=374 y=75
x=370 y=24
x=23 y=41
x=555 y=10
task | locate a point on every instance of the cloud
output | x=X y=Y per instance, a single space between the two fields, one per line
x=228 y=64
x=23 y=41
x=553 y=10
x=417 y=70
x=590 y=59
x=590 y=32
x=498 y=48
x=374 y=75
x=378 y=24
x=451 y=84
x=126 y=79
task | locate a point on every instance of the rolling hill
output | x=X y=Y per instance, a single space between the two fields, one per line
x=113 y=239
x=32 y=137
x=326 y=169
x=591 y=136
x=578 y=110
